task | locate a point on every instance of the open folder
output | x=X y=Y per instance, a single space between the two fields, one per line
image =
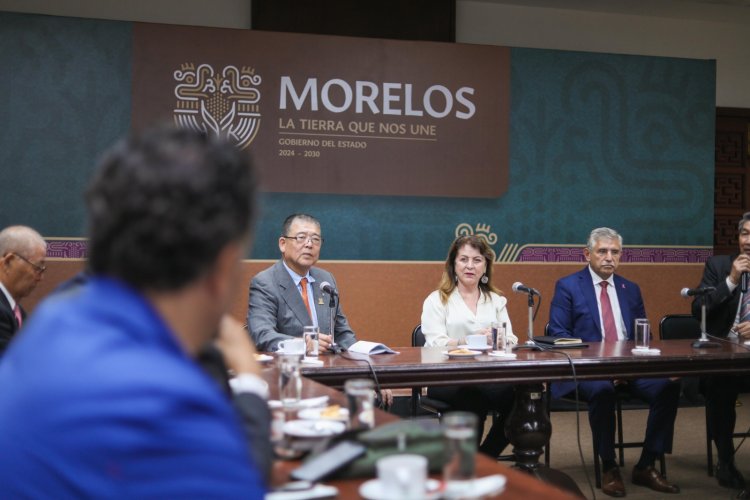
x=367 y=347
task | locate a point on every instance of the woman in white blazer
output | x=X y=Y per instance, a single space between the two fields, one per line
x=465 y=303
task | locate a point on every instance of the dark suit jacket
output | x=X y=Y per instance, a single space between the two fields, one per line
x=721 y=304
x=276 y=310
x=574 y=311
x=8 y=322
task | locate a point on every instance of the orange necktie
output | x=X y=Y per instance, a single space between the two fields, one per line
x=303 y=285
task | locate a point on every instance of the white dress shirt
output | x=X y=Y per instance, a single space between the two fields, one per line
x=612 y=293
x=454 y=320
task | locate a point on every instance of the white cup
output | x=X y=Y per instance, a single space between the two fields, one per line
x=402 y=477
x=292 y=346
x=476 y=341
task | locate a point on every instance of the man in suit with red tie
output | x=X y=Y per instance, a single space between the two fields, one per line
x=597 y=305
x=727 y=315
x=21 y=268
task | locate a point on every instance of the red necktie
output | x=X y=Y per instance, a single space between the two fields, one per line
x=17 y=312
x=303 y=285
x=608 y=317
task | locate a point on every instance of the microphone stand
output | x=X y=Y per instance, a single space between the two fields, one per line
x=530 y=344
x=703 y=342
x=332 y=308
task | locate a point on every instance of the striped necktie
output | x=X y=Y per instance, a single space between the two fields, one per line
x=745 y=308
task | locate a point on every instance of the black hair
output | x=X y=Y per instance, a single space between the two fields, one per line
x=164 y=203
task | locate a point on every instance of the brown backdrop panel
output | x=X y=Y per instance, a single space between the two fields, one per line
x=383 y=300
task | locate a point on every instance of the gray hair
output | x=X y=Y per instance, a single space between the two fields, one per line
x=745 y=218
x=20 y=239
x=601 y=233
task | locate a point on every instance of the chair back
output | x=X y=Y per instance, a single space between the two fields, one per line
x=417 y=337
x=679 y=326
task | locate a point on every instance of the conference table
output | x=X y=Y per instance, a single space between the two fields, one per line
x=519 y=485
x=428 y=366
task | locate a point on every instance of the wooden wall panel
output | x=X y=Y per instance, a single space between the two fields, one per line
x=383 y=300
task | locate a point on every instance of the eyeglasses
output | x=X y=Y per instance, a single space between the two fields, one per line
x=302 y=238
x=37 y=268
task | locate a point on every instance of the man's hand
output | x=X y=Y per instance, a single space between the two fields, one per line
x=234 y=343
x=387 y=397
x=743 y=331
x=324 y=342
x=740 y=265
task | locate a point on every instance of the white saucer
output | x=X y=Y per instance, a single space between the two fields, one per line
x=467 y=346
x=472 y=354
x=315 y=414
x=640 y=351
x=313 y=428
x=373 y=490
x=312 y=361
x=503 y=354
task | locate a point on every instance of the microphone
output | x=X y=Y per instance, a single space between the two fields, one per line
x=744 y=282
x=328 y=288
x=692 y=292
x=518 y=287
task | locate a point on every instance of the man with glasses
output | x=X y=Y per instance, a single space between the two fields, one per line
x=21 y=268
x=597 y=305
x=286 y=297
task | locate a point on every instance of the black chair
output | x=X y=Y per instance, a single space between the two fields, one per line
x=685 y=326
x=623 y=401
x=418 y=399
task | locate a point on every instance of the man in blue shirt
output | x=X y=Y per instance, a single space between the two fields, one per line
x=101 y=395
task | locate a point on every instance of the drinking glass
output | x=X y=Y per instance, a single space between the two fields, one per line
x=642 y=333
x=310 y=334
x=290 y=381
x=459 y=433
x=360 y=393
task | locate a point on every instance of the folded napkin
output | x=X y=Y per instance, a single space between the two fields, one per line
x=302 y=403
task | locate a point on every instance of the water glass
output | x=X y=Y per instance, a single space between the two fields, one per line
x=360 y=393
x=642 y=333
x=310 y=334
x=459 y=433
x=290 y=380
x=403 y=476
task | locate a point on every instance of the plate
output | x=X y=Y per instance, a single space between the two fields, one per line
x=313 y=428
x=263 y=358
x=317 y=414
x=373 y=490
x=466 y=346
x=503 y=354
x=473 y=354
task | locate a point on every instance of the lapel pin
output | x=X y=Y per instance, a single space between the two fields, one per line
x=320 y=301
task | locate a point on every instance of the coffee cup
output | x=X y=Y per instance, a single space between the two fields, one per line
x=292 y=346
x=402 y=477
x=476 y=341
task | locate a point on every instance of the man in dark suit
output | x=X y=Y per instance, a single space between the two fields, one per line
x=727 y=315
x=286 y=297
x=598 y=306
x=21 y=268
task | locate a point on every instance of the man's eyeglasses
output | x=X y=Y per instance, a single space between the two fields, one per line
x=302 y=239
x=39 y=269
